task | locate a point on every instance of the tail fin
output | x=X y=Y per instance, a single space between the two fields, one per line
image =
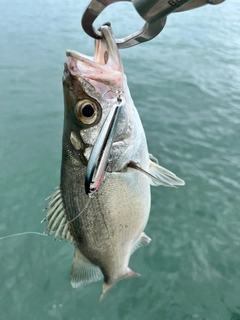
x=108 y=285
x=106 y=288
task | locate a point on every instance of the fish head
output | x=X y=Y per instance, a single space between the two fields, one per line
x=98 y=103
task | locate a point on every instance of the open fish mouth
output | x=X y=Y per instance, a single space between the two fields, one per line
x=104 y=71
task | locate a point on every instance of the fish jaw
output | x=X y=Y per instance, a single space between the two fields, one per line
x=100 y=76
x=104 y=71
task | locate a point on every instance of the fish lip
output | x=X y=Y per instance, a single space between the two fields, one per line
x=75 y=54
x=74 y=57
x=106 y=65
x=81 y=57
x=106 y=51
x=99 y=156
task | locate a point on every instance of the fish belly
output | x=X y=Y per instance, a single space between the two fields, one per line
x=109 y=225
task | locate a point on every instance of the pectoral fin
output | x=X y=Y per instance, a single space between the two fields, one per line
x=158 y=175
x=163 y=176
x=83 y=271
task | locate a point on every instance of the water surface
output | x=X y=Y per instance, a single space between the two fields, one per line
x=185 y=84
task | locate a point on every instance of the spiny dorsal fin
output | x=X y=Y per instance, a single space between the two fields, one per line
x=142 y=241
x=56 y=217
x=83 y=271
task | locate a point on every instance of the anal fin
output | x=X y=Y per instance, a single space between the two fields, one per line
x=83 y=271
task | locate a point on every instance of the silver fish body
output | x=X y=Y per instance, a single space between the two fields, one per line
x=108 y=227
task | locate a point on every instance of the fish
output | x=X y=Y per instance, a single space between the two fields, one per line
x=102 y=204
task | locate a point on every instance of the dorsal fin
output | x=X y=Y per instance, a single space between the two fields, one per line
x=56 y=217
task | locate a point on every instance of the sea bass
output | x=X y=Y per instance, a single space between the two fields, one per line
x=103 y=201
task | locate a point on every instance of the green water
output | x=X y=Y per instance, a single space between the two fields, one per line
x=186 y=86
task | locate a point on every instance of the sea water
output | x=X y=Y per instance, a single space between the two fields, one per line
x=186 y=86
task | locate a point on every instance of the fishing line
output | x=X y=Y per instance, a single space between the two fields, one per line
x=43 y=234
x=79 y=213
x=22 y=234
x=58 y=232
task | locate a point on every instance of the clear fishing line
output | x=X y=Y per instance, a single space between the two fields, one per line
x=42 y=234
x=22 y=234
x=79 y=213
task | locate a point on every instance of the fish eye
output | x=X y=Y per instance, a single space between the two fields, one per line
x=86 y=111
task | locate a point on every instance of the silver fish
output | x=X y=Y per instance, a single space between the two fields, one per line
x=103 y=201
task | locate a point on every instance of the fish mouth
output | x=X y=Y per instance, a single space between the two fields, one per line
x=98 y=160
x=104 y=71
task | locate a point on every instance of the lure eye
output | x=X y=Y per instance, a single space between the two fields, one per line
x=86 y=111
